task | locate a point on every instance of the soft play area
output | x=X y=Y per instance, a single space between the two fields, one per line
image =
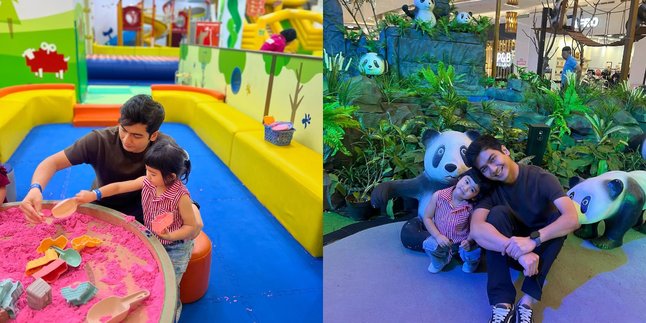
x=405 y=94
x=258 y=257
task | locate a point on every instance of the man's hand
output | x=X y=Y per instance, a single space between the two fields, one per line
x=519 y=246
x=31 y=206
x=443 y=241
x=529 y=261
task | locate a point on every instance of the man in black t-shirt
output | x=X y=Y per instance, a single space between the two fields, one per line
x=523 y=221
x=115 y=153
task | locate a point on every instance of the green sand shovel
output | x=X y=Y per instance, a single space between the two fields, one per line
x=70 y=256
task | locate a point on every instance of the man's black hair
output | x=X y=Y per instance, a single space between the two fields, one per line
x=567 y=49
x=142 y=109
x=478 y=145
x=289 y=34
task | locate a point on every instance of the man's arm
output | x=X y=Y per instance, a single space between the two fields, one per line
x=566 y=223
x=485 y=234
x=31 y=205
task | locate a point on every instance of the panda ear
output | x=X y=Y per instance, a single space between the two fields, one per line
x=428 y=135
x=575 y=180
x=472 y=134
x=615 y=187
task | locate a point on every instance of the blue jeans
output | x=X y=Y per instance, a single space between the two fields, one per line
x=179 y=253
x=445 y=254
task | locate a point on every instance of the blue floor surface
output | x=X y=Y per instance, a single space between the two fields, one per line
x=259 y=273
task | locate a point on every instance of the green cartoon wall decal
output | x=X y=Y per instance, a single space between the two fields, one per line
x=204 y=57
x=228 y=60
x=234 y=24
x=8 y=14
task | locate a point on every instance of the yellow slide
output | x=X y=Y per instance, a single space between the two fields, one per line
x=159 y=28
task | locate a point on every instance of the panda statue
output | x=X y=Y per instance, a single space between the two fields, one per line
x=423 y=11
x=464 y=18
x=616 y=197
x=443 y=162
x=372 y=64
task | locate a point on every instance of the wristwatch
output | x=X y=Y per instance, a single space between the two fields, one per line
x=536 y=236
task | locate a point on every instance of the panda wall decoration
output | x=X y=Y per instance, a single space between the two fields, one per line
x=618 y=198
x=372 y=64
x=423 y=11
x=463 y=18
x=443 y=162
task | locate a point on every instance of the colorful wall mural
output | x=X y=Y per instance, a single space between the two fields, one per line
x=288 y=87
x=39 y=42
x=232 y=16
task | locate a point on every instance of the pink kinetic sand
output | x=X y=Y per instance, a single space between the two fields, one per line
x=121 y=265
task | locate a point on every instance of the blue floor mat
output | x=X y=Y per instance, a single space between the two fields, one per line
x=259 y=273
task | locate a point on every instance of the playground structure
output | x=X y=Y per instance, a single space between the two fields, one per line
x=133 y=18
x=308 y=26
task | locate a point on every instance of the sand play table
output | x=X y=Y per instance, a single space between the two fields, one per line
x=129 y=259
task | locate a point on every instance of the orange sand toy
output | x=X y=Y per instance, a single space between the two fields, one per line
x=83 y=241
x=35 y=265
x=47 y=243
x=116 y=308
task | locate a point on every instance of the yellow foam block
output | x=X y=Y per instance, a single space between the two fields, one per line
x=216 y=123
x=180 y=105
x=287 y=180
x=21 y=111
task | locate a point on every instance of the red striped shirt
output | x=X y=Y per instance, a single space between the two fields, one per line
x=452 y=222
x=168 y=201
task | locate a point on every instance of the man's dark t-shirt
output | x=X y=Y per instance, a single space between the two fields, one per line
x=531 y=197
x=104 y=151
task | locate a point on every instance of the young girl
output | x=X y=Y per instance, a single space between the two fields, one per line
x=162 y=191
x=4 y=181
x=447 y=219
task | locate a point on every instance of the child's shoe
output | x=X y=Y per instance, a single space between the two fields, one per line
x=437 y=264
x=470 y=266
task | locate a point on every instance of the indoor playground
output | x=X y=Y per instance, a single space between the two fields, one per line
x=407 y=91
x=251 y=122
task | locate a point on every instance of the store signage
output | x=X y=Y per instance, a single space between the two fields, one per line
x=503 y=59
x=587 y=22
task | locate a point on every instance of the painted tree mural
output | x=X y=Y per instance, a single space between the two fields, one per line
x=279 y=61
x=8 y=14
x=304 y=73
x=204 y=57
x=228 y=60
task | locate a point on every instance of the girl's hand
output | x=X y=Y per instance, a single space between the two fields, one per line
x=85 y=197
x=443 y=241
x=165 y=235
x=466 y=245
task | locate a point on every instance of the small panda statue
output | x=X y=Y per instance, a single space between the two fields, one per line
x=372 y=64
x=638 y=144
x=616 y=197
x=464 y=18
x=443 y=162
x=423 y=11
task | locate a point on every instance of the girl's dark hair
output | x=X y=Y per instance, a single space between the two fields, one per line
x=289 y=34
x=167 y=157
x=484 y=184
x=142 y=109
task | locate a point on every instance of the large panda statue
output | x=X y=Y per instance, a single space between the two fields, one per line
x=618 y=198
x=423 y=11
x=443 y=162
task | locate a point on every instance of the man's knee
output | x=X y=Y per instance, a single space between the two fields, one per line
x=499 y=216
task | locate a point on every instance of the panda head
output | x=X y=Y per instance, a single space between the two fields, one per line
x=463 y=17
x=372 y=64
x=444 y=156
x=599 y=197
x=427 y=5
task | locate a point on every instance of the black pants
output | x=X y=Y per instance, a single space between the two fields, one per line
x=500 y=287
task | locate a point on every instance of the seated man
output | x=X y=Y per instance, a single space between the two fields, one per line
x=115 y=153
x=524 y=220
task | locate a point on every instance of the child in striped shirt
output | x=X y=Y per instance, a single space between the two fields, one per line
x=447 y=219
x=162 y=191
